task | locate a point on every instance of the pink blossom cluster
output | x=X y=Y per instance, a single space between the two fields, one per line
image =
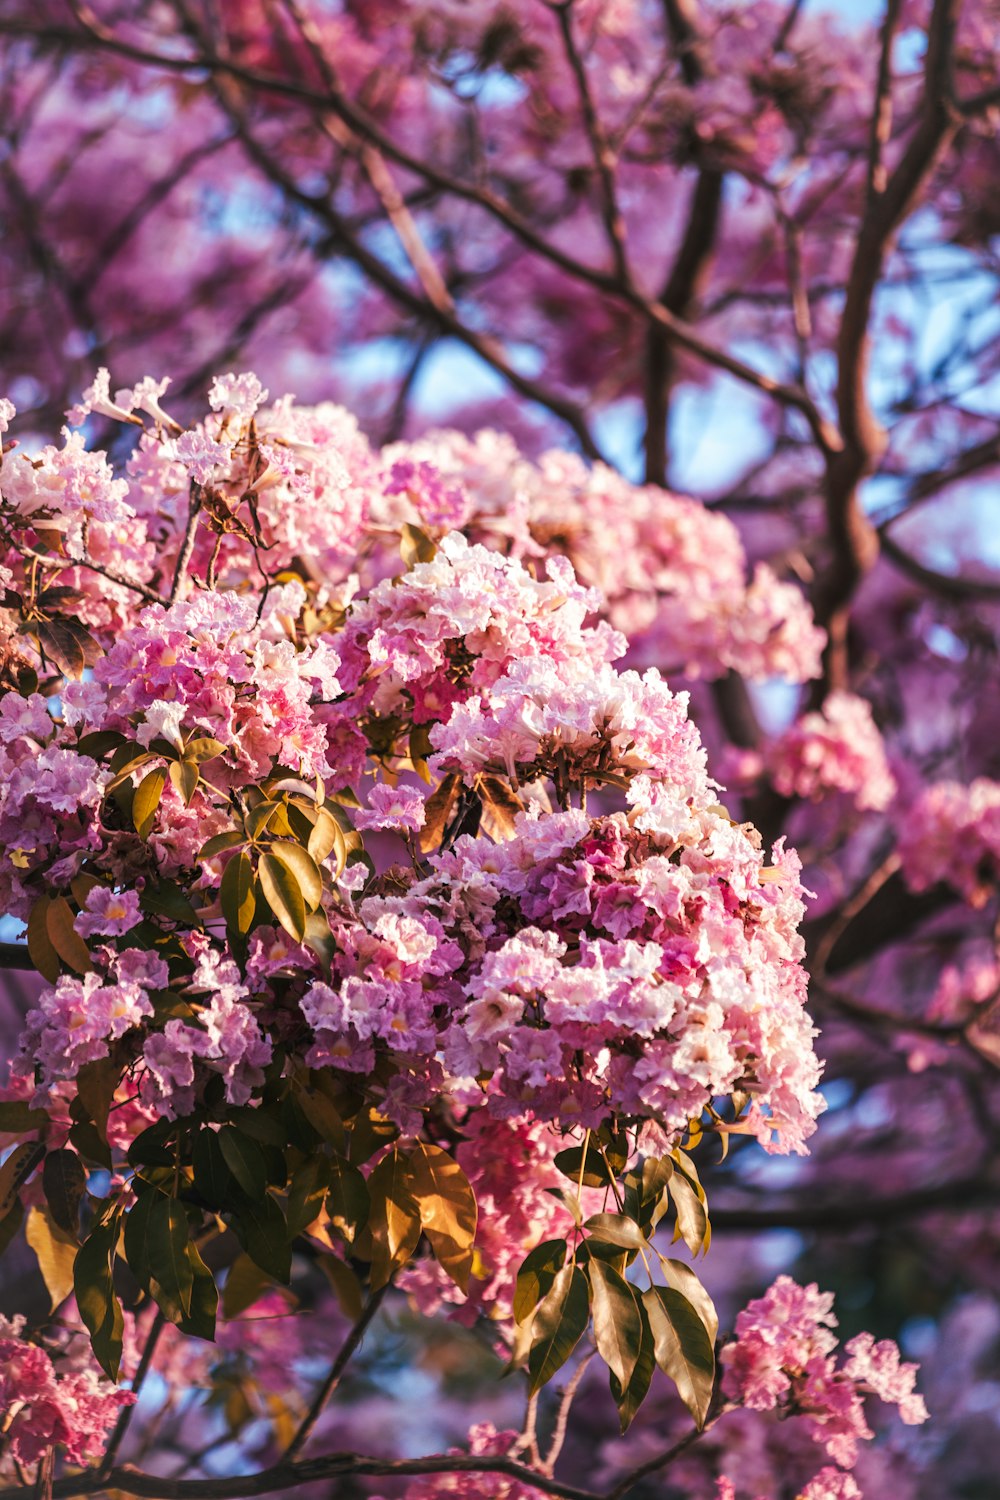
x=783 y=1359
x=951 y=833
x=509 y=1165
x=633 y=964
x=42 y=1410
x=637 y=963
x=303 y=488
x=835 y=749
x=676 y=580
x=580 y=922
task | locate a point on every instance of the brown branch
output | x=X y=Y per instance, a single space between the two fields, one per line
x=345 y=1354
x=15 y=956
x=835 y=944
x=948 y=585
x=661 y=1460
x=678 y=330
x=853 y=540
x=690 y=268
x=881 y=122
x=129 y=1481
x=448 y=321
x=605 y=160
x=121 y=1427
x=856 y=1212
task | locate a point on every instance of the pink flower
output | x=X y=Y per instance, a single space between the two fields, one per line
x=400 y=807
x=838 y=749
x=236 y=395
x=108 y=913
x=45 y=1411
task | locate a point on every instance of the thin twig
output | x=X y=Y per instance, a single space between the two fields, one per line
x=326 y=1390
x=125 y=1415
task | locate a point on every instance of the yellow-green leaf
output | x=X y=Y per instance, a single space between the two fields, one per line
x=203 y=749
x=415 y=546
x=64 y=937
x=55 y=1252
x=184 y=775
x=283 y=895
x=147 y=800
x=326 y=836
x=560 y=1323
x=236 y=892
x=448 y=1210
x=40 y=949
x=15 y=1172
x=395 y=1217
x=683 y=1348
x=617 y=1321
x=303 y=867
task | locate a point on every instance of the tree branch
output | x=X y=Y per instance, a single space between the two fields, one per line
x=604 y=157
x=853 y=540
x=344 y=1356
x=856 y=1212
x=91 y=34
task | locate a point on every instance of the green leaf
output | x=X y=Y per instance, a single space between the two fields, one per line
x=260 y=1227
x=55 y=1252
x=147 y=800
x=99 y=742
x=245 y=1160
x=346 y=1286
x=96 y=1085
x=682 y=1347
x=64 y=937
x=17 y=1117
x=307 y=1193
x=212 y=1178
x=64 y=1183
x=347 y=1203
x=184 y=775
x=156 y=1241
x=303 y=867
x=258 y=818
x=10 y=1224
x=448 y=1209
x=559 y=1324
x=16 y=1170
x=220 y=843
x=394 y=1219
x=596 y=1172
x=170 y=1270
x=616 y=1229
x=202 y=749
x=631 y=1398
x=40 y=947
x=164 y=898
x=320 y=940
x=200 y=1321
x=245 y=1284
x=617 y=1322
x=95 y=1295
x=538 y=1271
x=283 y=895
x=415 y=546
x=683 y=1280
x=692 y=1220
x=236 y=893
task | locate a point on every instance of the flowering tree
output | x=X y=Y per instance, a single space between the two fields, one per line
x=405 y=942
